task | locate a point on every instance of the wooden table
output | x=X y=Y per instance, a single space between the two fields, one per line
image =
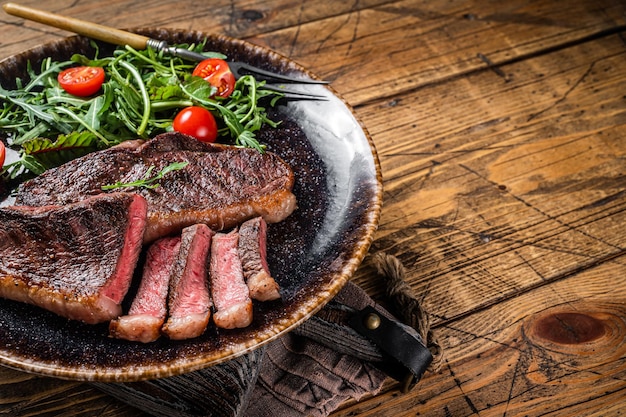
x=501 y=131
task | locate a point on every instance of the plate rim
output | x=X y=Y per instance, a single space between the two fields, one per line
x=359 y=249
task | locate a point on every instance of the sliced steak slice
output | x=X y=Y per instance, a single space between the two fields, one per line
x=77 y=260
x=149 y=308
x=221 y=186
x=252 y=251
x=189 y=302
x=231 y=298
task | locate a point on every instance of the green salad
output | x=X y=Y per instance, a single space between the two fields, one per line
x=81 y=105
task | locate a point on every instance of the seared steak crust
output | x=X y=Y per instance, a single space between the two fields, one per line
x=230 y=294
x=149 y=308
x=76 y=260
x=189 y=302
x=252 y=251
x=221 y=186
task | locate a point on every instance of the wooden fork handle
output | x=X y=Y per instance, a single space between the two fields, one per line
x=81 y=27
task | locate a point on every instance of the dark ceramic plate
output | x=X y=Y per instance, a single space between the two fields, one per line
x=312 y=254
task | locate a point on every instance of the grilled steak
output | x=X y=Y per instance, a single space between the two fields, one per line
x=76 y=260
x=252 y=252
x=229 y=291
x=149 y=308
x=188 y=300
x=221 y=186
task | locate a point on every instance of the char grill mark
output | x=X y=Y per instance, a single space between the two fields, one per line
x=221 y=186
x=189 y=302
x=76 y=260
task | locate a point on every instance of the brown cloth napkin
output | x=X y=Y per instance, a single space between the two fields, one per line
x=308 y=372
x=292 y=376
x=300 y=377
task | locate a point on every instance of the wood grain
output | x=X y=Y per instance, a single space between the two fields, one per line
x=239 y=19
x=500 y=131
x=484 y=195
x=528 y=355
x=28 y=395
x=389 y=49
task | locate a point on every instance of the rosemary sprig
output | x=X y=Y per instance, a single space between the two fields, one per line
x=147 y=181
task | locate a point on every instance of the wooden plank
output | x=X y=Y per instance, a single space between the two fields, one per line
x=239 y=19
x=26 y=395
x=342 y=43
x=521 y=182
x=382 y=51
x=520 y=170
x=559 y=349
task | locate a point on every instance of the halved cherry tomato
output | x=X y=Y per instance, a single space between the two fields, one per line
x=81 y=81
x=216 y=72
x=2 y=153
x=197 y=122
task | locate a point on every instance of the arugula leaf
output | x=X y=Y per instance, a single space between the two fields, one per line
x=241 y=113
x=41 y=153
x=63 y=142
x=31 y=164
x=139 y=98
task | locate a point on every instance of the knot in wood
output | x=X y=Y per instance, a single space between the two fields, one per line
x=569 y=328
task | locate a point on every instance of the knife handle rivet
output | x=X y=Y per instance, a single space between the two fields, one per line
x=372 y=321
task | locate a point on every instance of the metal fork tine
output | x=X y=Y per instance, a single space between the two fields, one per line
x=289 y=97
x=236 y=67
x=294 y=95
